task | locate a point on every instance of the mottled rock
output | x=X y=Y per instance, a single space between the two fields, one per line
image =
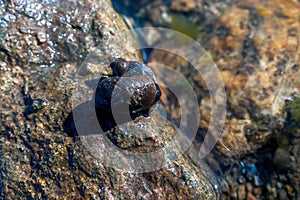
x=257 y=72
x=42 y=47
x=255 y=48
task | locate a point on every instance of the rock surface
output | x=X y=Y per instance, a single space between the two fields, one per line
x=255 y=46
x=258 y=69
x=42 y=46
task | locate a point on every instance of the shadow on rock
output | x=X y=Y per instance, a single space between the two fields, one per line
x=85 y=120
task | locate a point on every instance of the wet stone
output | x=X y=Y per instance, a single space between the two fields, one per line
x=41 y=50
x=282 y=194
x=282 y=159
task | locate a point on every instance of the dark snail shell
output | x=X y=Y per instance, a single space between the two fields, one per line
x=119 y=66
x=122 y=67
x=133 y=86
x=139 y=92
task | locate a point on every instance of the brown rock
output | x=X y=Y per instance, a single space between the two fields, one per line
x=257 y=191
x=250 y=196
x=42 y=47
x=249 y=187
x=241 y=192
x=183 y=5
x=289 y=189
x=258 y=74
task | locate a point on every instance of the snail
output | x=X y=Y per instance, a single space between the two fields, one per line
x=131 y=89
x=132 y=86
